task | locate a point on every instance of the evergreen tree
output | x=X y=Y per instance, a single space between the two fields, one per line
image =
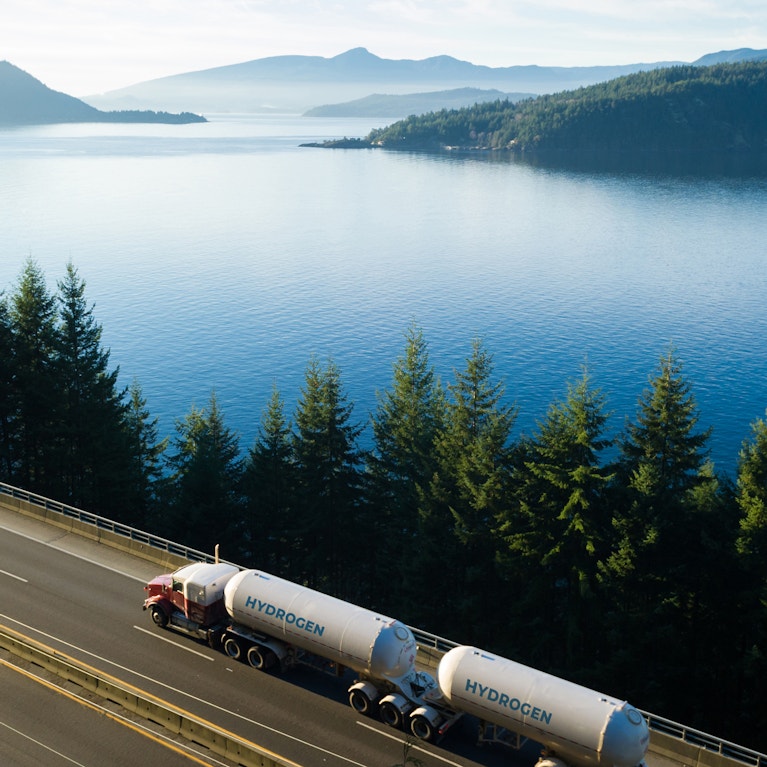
x=147 y=452
x=408 y=419
x=94 y=458
x=37 y=392
x=752 y=549
x=204 y=506
x=7 y=398
x=269 y=482
x=660 y=537
x=328 y=483
x=467 y=496
x=560 y=525
x=752 y=498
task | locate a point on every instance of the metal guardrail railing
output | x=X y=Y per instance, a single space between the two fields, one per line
x=656 y=723
x=71 y=512
x=703 y=740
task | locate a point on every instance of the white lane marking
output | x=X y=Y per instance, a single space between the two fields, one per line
x=413 y=746
x=17 y=577
x=175 y=644
x=72 y=554
x=201 y=701
x=41 y=744
x=183 y=748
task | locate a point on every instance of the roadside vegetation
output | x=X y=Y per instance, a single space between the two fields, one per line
x=619 y=560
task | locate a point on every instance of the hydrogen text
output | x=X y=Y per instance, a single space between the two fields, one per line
x=291 y=619
x=507 y=701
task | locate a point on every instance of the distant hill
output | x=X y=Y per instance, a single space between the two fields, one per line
x=26 y=101
x=295 y=84
x=731 y=57
x=393 y=106
x=719 y=108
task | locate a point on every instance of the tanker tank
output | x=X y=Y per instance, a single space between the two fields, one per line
x=576 y=725
x=364 y=641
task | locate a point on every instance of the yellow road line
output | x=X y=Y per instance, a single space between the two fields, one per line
x=110 y=715
x=147 y=695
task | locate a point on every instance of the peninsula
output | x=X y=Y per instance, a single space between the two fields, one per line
x=678 y=109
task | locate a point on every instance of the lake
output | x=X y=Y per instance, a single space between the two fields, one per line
x=222 y=256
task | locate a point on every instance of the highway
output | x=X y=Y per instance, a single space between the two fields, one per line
x=40 y=724
x=85 y=600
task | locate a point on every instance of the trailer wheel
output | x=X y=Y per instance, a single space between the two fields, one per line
x=360 y=702
x=159 y=616
x=422 y=728
x=261 y=657
x=232 y=648
x=390 y=714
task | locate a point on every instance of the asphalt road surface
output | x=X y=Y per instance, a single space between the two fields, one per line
x=85 y=600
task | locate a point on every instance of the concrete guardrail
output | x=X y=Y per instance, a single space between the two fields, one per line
x=170 y=717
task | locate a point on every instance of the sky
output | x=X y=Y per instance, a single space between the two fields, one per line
x=84 y=47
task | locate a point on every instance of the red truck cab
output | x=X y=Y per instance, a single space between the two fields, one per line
x=193 y=593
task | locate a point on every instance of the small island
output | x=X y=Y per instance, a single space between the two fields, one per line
x=24 y=100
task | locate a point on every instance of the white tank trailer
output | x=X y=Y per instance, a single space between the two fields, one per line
x=576 y=725
x=364 y=641
x=272 y=618
x=268 y=621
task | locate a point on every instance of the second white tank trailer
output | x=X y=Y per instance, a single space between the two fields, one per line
x=270 y=622
x=578 y=726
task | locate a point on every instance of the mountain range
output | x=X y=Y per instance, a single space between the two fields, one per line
x=295 y=84
x=354 y=83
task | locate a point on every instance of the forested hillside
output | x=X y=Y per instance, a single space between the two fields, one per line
x=620 y=560
x=721 y=108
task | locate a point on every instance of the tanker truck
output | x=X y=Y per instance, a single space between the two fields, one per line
x=577 y=726
x=269 y=623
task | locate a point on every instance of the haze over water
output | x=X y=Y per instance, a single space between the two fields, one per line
x=221 y=256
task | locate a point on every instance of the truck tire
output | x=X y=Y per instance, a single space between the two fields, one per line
x=232 y=648
x=390 y=714
x=159 y=616
x=261 y=657
x=360 y=702
x=422 y=728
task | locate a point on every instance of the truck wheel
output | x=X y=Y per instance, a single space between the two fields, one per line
x=422 y=728
x=159 y=617
x=232 y=648
x=261 y=657
x=390 y=714
x=360 y=702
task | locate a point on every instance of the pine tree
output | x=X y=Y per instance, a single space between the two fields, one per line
x=147 y=452
x=204 y=506
x=7 y=398
x=328 y=482
x=560 y=525
x=95 y=464
x=37 y=393
x=752 y=497
x=467 y=496
x=661 y=518
x=408 y=419
x=268 y=483
x=752 y=549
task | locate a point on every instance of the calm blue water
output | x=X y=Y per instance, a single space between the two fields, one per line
x=222 y=256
